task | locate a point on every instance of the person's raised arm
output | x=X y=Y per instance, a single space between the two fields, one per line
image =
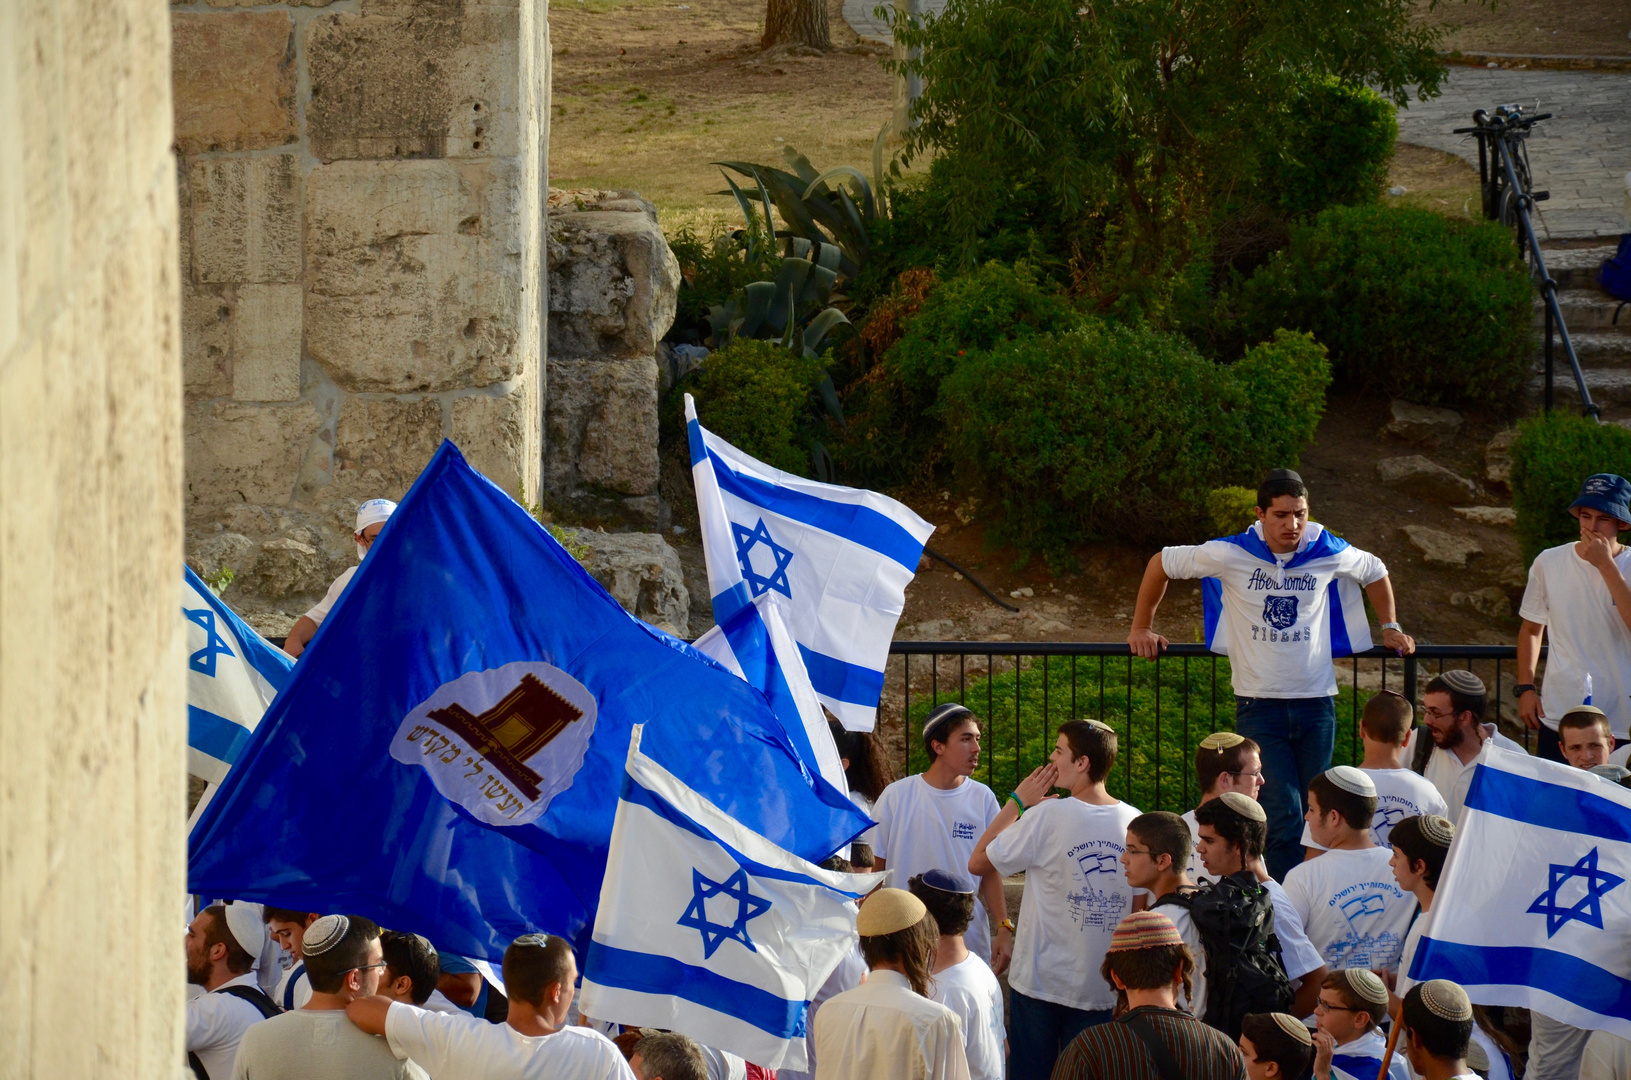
x=1595 y=550
x=300 y=636
x=1143 y=639
x=1031 y=790
x=1529 y=636
x=369 y=1013
x=1380 y=593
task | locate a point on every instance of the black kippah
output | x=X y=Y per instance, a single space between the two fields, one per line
x=1282 y=474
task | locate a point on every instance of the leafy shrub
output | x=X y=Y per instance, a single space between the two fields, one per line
x=1551 y=457
x=1337 y=142
x=1122 y=431
x=1409 y=302
x=1231 y=509
x=757 y=396
x=712 y=270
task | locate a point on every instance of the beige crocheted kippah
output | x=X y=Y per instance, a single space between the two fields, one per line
x=1222 y=740
x=1365 y=986
x=1445 y=1000
x=324 y=934
x=1244 y=805
x=1294 y=1027
x=1437 y=830
x=889 y=910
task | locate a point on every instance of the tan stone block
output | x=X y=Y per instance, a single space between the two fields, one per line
x=413 y=274
x=381 y=446
x=234 y=77
x=492 y=432
x=240 y=453
x=266 y=343
x=424 y=81
x=245 y=219
x=613 y=284
x=601 y=426
x=206 y=340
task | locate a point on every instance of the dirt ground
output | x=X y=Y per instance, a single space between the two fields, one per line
x=1536 y=27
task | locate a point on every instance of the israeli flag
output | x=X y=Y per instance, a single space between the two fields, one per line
x=1349 y=625
x=838 y=558
x=1533 y=908
x=708 y=928
x=756 y=645
x=232 y=676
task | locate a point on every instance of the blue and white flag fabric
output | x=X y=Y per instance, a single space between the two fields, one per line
x=837 y=558
x=708 y=928
x=444 y=758
x=755 y=644
x=1533 y=908
x=1362 y=1059
x=232 y=676
x=1317 y=560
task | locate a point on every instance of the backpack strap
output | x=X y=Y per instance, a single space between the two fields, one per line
x=255 y=996
x=288 y=989
x=1423 y=751
x=1160 y=1056
x=197 y=1066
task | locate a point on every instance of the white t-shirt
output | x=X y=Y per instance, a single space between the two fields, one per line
x=319 y=611
x=1297 y=954
x=439 y=1002
x=973 y=993
x=1566 y=594
x=1449 y=775
x=721 y=1066
x=318 y=1044
x=1354 y=911
x=1402 y=982
x=1277 y=620
x=216 y=1023
x=1075 y=893
x=295 y=977
x=1197 y=869
x=1195 y=1003
x=924 y=828
x=465 y=1048
x=1347 y=1061
x=1400 y=793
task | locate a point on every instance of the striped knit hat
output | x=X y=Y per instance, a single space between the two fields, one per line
x=1463 y=681
x=1144 y=930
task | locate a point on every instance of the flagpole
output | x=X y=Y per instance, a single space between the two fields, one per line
x=1387 y=1055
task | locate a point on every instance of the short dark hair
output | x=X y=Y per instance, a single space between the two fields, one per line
x=952 y=911
x=1387 y=717
x=1408 y=838
x=413 y=956
x=672 y=1057
x=1579 y=719
x=1273 y=1043
x=1356 y=810
x=216 y=932
x=1096 y=742
x=1338 y=981
x=912 y=948
x=869 y=771
x=1473 y=703
x=952 y=716
x=1211 y=764
x=531 y=968
x=1164 y=834
x=326 y=971
x=1149 y=969
x=1275 y=485
x=283 y=914
x=1443 y=1039
x=1236 y=829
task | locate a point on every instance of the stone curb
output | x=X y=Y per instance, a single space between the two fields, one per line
x=1550 y=63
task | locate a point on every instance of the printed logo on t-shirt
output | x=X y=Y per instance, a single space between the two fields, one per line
x=1280 y=612
x=963 y=830
x=1359 y=904
x=1099 y=904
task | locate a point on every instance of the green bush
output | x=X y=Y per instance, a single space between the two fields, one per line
x=1232 y=509
x=1122 y=431
x=758 y=397
x=1335 y=150
x=1409 y=302
x=712 y=270
x=1552 y=456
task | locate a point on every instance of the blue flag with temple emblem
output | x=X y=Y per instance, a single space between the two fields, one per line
x=446 y=756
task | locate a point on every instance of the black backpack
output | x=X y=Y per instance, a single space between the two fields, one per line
x=256 y=997
x=1244 y=974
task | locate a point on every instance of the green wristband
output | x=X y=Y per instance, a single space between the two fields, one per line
x=1014 y=795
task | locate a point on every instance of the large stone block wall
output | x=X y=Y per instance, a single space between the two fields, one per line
x=92 y=700
x=362 y=249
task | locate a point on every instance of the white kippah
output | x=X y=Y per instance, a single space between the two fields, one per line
x=246 y=927
x=1244 y=805
x=1436 y=830
x=373 y=512
x=1353 y=780
x=1366 y=987
x=1100 y=725
x=324 y=934
x=1294 y=1027
x=1445 y=1000
x=535 y=941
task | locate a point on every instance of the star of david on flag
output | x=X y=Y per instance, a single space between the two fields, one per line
x=838 y=559
x=1530 y=909
x=706 y=927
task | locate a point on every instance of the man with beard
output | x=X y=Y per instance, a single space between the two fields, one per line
x=1453 y=707
x=222 y=943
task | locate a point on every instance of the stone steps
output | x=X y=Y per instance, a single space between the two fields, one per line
x=1587 y=309
x=1605 y=349
x=1576 y=268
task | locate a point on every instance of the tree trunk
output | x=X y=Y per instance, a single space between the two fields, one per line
x=796 y=22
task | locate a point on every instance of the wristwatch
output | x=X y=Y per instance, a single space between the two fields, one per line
x=1392 y=626
x=1524 y=688
x=1006 y=924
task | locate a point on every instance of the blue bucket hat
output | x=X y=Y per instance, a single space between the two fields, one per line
x=1607 y=493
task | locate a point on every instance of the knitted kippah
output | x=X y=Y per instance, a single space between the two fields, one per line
x=887 y=911
x=1365 y=986
x=324 y=934
x=1445 y=1000
x=1353 y=780
x=944 y=713
x=1100 y=725
x=246 y=926
x=536 y=941
x=1294 y=1027
x=946 y=881
x=1244 y=805
x=1144 y=930
x=1222 y=740
x=1463 y=681
x=1612 y=773
x=1436 y=830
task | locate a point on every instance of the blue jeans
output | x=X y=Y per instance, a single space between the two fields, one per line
x=1039 y=1031
x=1295 y=736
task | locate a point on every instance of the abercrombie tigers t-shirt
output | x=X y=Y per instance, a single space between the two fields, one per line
x=1279 y=614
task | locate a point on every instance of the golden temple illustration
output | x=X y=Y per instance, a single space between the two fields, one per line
x=512 y=731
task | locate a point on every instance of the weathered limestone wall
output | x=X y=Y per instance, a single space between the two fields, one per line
x=362 y=188
x=92 y=716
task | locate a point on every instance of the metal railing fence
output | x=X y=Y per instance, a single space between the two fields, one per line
x=1161 y=709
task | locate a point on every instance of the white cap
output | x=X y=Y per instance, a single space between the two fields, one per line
x=373 y=512
x=1352 y=780
x=245 y=925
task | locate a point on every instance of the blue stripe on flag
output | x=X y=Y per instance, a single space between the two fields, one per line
x=1340 y=645
x=841 y=680
x=731 y=601
x=1558 y=973
x=1361 y=1068
x=644 y=973
x=273 y=664
x=637 y=795
x=215 y=735
x=1211 y=607
x=1549 y=806
x=749 y=639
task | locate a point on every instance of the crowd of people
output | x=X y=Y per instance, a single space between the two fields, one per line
x=1267 y=933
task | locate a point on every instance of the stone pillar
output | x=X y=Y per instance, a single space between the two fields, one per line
x=92 y=700
x=362 y=222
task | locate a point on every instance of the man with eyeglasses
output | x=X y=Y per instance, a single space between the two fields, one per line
x=1453 y=708
x=344 y=962
x=1224 y=761
x=1350 y=1005
x=371 y=518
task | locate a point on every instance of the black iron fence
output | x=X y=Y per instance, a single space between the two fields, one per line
x=1161 y=709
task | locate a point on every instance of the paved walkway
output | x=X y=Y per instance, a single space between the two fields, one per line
x=1581 y=155
x=859 y=15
